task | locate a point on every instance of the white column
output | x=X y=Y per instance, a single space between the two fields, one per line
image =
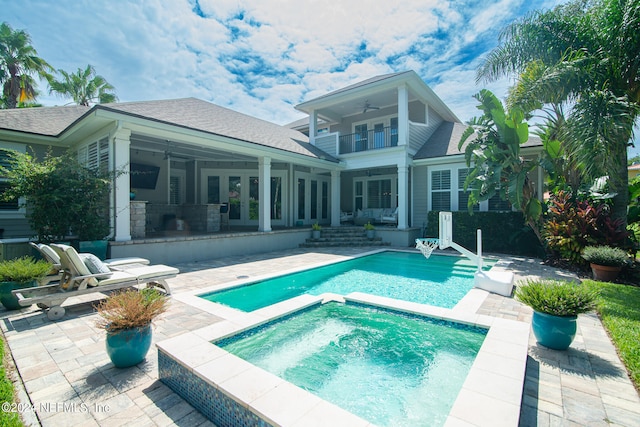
x=313 y=123
x=335 y=198
x=121 y=209
x=403 y=196
x=403 y=115
x=264 y=193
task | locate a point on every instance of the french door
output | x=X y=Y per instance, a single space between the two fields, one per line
x=312 y=199
x=241 y=191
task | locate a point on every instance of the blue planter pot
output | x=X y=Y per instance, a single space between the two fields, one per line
x=129 y=347
x=555 y=332
x=8 y=300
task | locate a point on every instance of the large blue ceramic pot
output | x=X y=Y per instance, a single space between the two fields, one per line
x=556 y=332
x=8 y=299
x=128 y=347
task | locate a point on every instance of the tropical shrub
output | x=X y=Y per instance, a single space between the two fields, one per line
x=573 y=224
x=556 y=297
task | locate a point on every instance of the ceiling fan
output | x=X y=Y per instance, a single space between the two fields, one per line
x=367 y=106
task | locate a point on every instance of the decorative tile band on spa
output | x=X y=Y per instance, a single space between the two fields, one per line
x=211 y=402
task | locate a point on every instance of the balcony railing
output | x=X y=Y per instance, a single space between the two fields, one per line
x=370 y=140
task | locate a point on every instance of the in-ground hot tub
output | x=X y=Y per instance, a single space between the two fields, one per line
x=232 y=391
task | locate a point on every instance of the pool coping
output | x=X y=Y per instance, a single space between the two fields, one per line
x=490 y=396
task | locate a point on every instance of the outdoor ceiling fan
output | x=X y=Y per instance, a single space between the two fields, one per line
x=367 y=106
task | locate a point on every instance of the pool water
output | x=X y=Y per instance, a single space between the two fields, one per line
x=389 y=368
x=440 y=280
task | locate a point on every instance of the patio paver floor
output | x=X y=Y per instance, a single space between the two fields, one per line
x=69 y=380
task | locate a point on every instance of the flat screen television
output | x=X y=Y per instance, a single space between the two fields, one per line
x=143 y=176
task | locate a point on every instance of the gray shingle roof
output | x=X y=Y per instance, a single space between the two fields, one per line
x=204 y=116
x=48 y=121
x=444 y=141
x=189 y=113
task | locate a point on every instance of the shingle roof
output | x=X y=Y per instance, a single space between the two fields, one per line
x=49 y=121
x=204 y=116
x=444 y=141
x=190 y=113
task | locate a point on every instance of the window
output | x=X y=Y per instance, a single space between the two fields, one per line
x=213 y=189
x=379 y=193
x=394 y=131
x=463 y=196
x=314 y=199
x=359 y=195
x=361 y=137
x=325 y=200
x=496 y=204
x=175 y=196
x=441 y=190
x=95 y=155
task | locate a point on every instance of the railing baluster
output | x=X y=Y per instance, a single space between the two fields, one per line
x=373 y=140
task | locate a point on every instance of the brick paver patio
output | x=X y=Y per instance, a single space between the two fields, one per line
x=68 y=379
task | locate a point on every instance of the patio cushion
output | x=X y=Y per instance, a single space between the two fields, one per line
x=76 y=266
x=49 y=254
x=95 y=266
x=151 y=271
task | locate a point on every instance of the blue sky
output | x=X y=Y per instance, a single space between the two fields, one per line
x=264 y=57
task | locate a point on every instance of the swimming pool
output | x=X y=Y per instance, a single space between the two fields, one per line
x=440 y=280
x=387 y=367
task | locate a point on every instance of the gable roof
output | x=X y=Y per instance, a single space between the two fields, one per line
x=187 y=113
x=360 y=84
x=444 y=141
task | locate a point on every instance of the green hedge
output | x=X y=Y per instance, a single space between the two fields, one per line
x=502 y=232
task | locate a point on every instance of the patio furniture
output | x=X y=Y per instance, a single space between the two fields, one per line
x=388 y=217
x=77 y=279
x=50 y=255
x=346 y=216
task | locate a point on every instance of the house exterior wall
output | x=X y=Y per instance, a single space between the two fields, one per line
x=419 y=196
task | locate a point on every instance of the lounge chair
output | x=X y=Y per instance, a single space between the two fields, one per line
x=77 y=280
x=49 y=254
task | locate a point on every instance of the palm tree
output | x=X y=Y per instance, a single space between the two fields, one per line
x=585 y=54
x=84 y=86
x=18 y=65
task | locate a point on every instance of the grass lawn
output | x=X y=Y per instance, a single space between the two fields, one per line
x=619 y=309
x=7 y=418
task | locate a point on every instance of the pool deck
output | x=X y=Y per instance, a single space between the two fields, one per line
x=66 y=378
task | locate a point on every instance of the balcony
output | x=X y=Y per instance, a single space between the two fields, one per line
x=369 y=140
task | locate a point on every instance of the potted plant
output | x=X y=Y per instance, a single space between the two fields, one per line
x=315 y=230
x=370 y=230
x=606 y=262
x=556 y=305
x=20 y=273
x=126 y=316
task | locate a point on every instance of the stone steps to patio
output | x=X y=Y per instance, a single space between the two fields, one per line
x=343 y=236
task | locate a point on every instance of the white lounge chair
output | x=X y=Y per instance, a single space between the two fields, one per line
x=77 y=280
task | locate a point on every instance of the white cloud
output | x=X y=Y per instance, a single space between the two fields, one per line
x=263 y=57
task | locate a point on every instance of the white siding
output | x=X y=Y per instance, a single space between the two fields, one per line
x=420 y=193
x=327 y=143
